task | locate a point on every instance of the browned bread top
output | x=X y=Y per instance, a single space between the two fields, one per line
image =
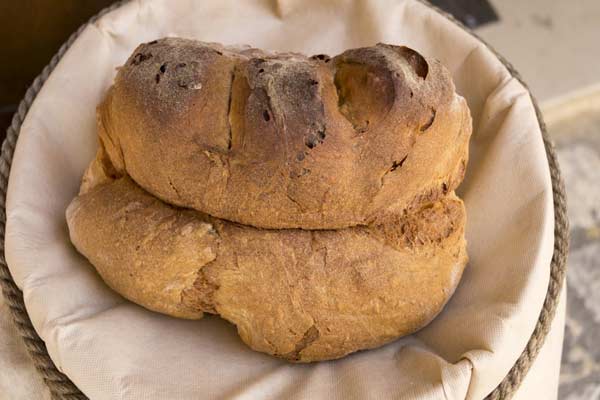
x=284 y=140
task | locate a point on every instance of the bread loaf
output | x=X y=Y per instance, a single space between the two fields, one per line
x=309 y=201
x=286 y=141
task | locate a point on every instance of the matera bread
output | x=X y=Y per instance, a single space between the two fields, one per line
x=309 y=201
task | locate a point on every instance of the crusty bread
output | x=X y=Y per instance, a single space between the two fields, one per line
x=382 y=245
x=299 y=294
x=286 y=141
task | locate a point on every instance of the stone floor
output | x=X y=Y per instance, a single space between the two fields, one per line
x=578 y=144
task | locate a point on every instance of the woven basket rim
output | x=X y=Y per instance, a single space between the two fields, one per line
x=62 y=388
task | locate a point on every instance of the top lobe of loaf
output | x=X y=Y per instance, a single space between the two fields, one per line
x=284 y=140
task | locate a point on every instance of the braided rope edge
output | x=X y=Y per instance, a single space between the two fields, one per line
x=62 y=388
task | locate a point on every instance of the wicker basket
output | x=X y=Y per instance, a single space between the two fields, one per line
x=61 y=387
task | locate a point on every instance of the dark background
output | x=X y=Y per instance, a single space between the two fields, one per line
x=33 y=30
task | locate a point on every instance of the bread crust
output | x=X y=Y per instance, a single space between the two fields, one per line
x=283 y=140
x=297 y=294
